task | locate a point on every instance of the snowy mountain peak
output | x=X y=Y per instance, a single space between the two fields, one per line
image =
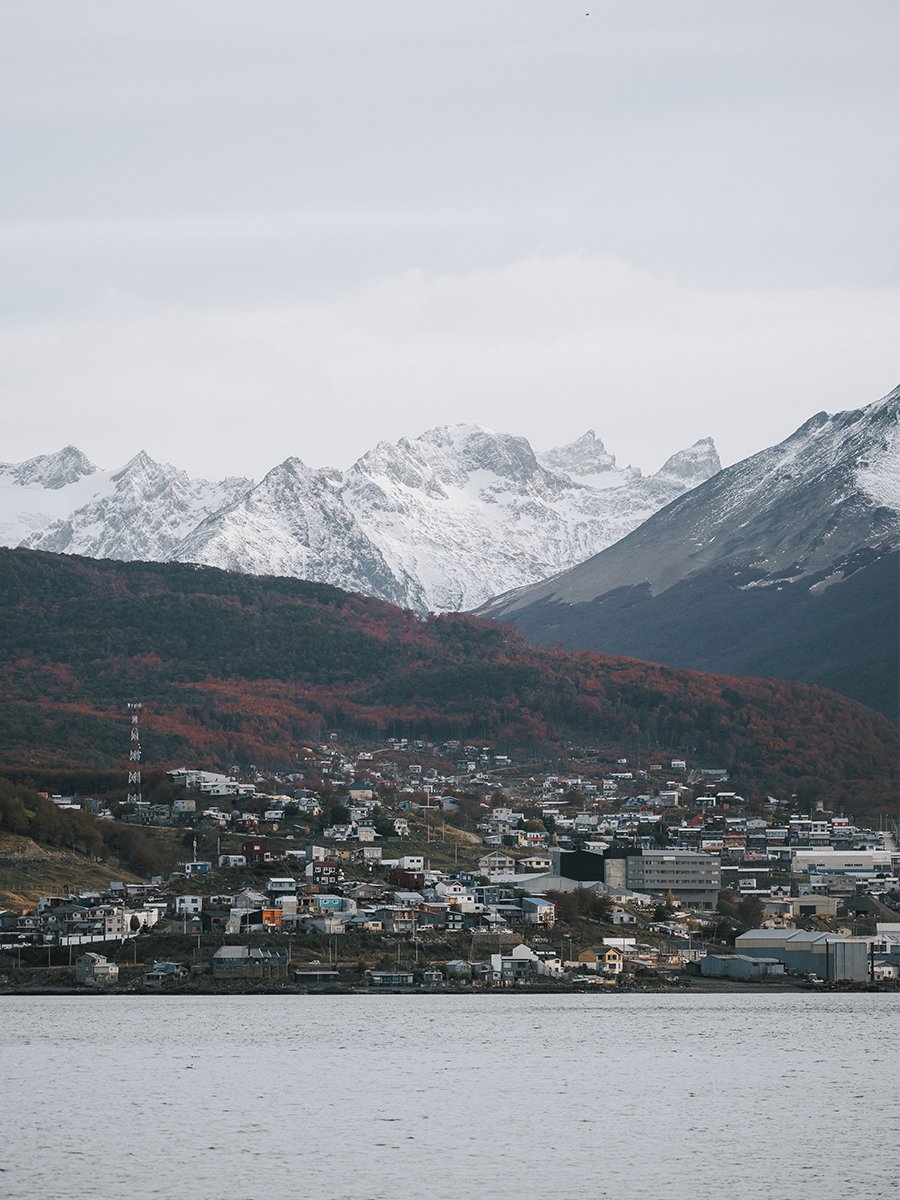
x=141 y=511
x=888 y=402
x=51 y=471
x=789 y=513
x=471 y=448
x=141 y=466
x=692 y=466
x=292 y=466
x=436 y=522
x=582 y=459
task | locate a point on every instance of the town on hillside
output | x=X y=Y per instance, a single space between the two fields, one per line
x=414 y=865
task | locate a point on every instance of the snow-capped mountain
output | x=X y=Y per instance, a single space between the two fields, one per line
x=139 y=512
x=39 y=491
x=295 y=523
x=432 y=523
x=784 y=565
x=436 y=523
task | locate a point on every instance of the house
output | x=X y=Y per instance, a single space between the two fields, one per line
x=360 y=790
x=519 y=963
x=456 y=893
x=396 y=918
x=538 y=911
x=95 y=970
x=537 y=864
x=327 y=871
x=496 y=863
x=364 y=890
x=412 y=880
x=621 y=916
x=607 y=959
x=394 y=978
x=549 y=961
x=801 y=906
x=198 y=867
x=327 y=925
x=188 y=905
x=165 y=972
x=411 y=862
x=215 y=910
x=248 y=962
x=190 y=924
x=365 y=922
x=102 y=921
x=281 y=886
x=316 y=974
x=147 y=915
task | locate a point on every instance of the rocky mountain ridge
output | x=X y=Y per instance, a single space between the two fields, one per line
x=433 y=523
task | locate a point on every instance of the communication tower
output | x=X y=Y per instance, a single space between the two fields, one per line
x=134 y=755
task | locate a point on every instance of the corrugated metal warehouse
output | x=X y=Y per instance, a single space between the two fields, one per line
x=828 y=955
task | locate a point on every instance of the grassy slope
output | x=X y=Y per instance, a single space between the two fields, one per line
x=29 y=871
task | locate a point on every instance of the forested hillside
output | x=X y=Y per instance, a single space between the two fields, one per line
x=238 y=669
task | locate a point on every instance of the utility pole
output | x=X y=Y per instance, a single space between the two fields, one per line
x=134 y=755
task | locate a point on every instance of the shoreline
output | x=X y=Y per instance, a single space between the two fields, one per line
x=710 y=987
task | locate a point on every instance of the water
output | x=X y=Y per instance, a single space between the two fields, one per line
x=368 y=1097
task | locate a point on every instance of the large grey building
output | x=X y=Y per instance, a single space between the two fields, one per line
x=692 y=878
x=830 y=956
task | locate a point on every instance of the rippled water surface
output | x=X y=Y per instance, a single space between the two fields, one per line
x=366 y=1097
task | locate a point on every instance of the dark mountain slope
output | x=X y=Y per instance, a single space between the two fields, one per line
x=783 y=565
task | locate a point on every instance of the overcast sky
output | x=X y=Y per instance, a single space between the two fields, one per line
x=237 y=231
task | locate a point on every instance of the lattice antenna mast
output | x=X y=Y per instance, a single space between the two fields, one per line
x=134 y=755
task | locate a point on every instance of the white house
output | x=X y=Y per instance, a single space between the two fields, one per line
x=411 y=862
x=621 y=916
x=496 y=863
x=281 y=886
x=232 y=860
